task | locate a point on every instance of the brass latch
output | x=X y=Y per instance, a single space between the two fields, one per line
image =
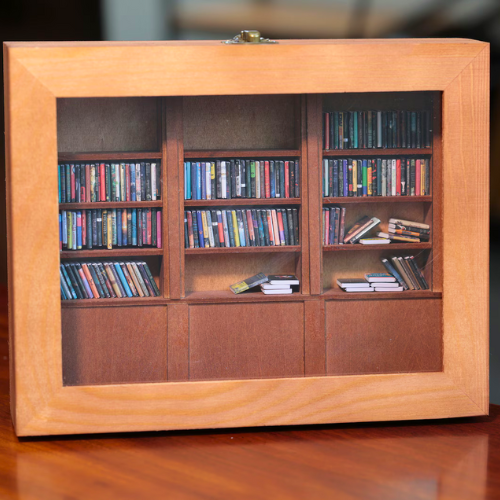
x=249 y=36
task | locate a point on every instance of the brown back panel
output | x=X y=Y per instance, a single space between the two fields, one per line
x=238 y=341
x=113 y=345
x=241 y=122
x=108 y=124
x=383 y=336
x=217 y=272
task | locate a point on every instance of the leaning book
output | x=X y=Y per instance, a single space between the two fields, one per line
x=248 y=283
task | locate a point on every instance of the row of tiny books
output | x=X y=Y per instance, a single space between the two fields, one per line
x=399 y=230
x=403 y=274
x=241 y=228
x=94 y=182
x=377 y=129
x=105 y=280
x=274 y=284
x=226 y=179
x=96 y=228
x=376 y=177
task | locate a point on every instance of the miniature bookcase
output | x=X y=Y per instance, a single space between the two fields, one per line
x=184 y=341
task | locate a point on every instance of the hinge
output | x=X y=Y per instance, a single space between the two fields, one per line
x=249 y=36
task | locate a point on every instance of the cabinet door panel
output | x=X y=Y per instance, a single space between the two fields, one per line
x=237 y=341
x=383 y=336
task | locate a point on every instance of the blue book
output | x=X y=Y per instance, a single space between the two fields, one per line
x=63 y=295
x=272 y=178
x=200 y=229
x=187 y=173
x=68 y=281
x=346 y=178
x=198 y=181
x=59 y=181
x=134 y=227
x=193 y=181
x=68 y=183
x=122 y=279
x=60 y=230
x=241 y=229
x=379 y=176
x=335 y=177
x=79 y=230
x=132 y=182
x=119 y=226
x=203 y=175
x=391 y=269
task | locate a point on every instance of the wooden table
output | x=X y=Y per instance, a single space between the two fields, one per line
x=453 y=459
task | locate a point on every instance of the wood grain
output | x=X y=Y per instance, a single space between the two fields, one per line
x=314 y=338
x=270 y=345
x=107 y=346
x=404 y=336
x=466 y=314
x=178 y=342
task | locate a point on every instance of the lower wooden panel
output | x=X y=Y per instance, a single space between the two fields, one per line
x=239 y=341
x=383 y=336
x=114 y=345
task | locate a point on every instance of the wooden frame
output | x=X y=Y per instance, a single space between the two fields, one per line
x=39 y=73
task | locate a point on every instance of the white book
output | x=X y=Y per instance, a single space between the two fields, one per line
x=374 y=241
x=276 y=292
x=208 y=180
x=385 y=289
x=403 y=222
x=210 y=229
x=384 y=285
x=353 y=283
x=282 y=279
x=153 y=181
x=379 y=277
x=223 y=179
x=359 y=290
x=394 y=178
x=268 y=286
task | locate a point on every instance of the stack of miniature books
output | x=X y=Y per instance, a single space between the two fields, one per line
x=279 y=284
x=383 y=282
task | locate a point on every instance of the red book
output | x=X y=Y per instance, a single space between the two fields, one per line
x=327 y=130
x=158 y=229
x=279 y=216
x=418 y=173
x=84 y=227
x=190 y=230
x=287 y=179
x=326 y=240
x=267 y=180
x=127 y=181
x=102 y=182
x=398 y=177
x=87 y=182
x=72 y=182
x=149 y=226
x=220 y=227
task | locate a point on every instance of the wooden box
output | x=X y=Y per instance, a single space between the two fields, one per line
x=198 y=356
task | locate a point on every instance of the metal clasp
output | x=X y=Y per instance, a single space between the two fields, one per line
x=249 y=36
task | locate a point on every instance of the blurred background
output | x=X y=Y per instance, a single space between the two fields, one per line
x=39 y=20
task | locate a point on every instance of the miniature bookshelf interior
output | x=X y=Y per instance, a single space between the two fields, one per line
x=196 y=329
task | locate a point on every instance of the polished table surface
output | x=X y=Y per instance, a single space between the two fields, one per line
x=455 y=459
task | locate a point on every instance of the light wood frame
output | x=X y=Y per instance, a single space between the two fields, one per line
x=36 y=74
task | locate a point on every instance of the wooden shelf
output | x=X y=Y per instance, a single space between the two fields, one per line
x=242 y=201
x=204 y=251
x=358 y=247
x=115 y=252
x=130 y=301
x=337 y=294
x=110 y=204
x=242 y=153
x=374 y=152
x=215 y=296
x=376 y=199
x=110 y=156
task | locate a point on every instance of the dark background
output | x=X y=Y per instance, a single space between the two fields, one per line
x=41 y=20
